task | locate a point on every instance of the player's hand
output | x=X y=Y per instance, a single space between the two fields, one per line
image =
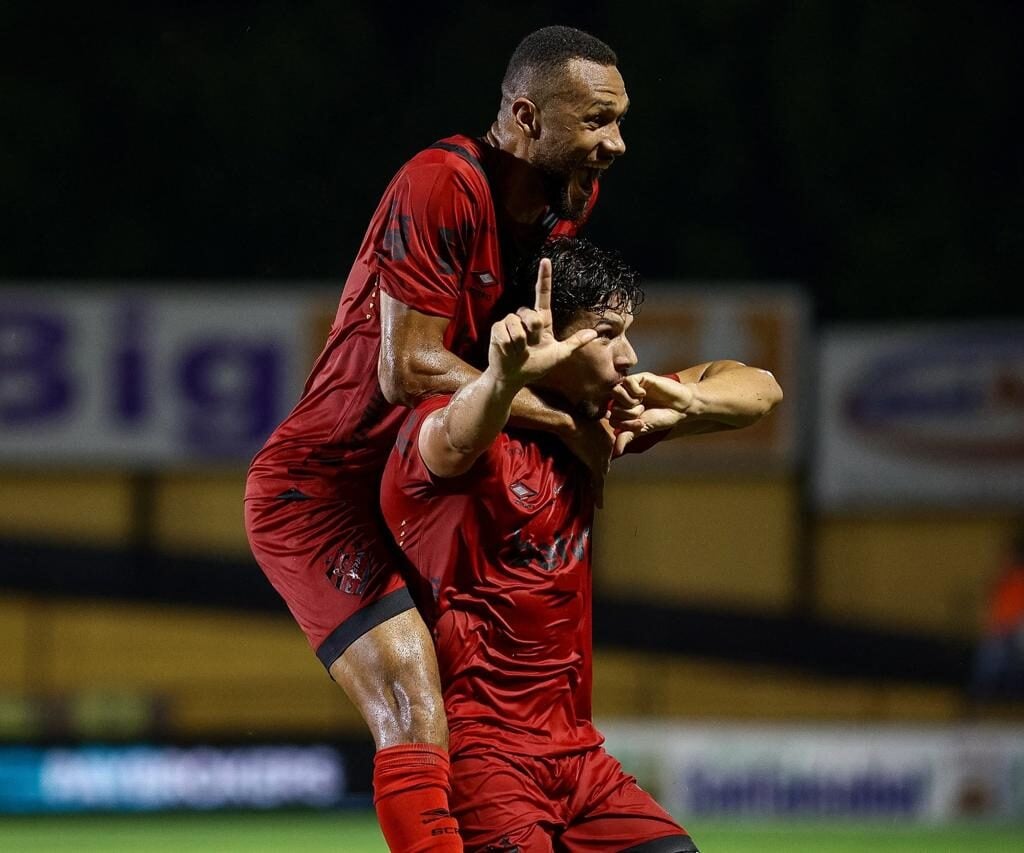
x=523 y=345
x=627 y=403
x=646 y=402
x=592 y=442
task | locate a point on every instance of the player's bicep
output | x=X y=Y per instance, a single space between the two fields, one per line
x=432 y=445
x=691 y=374
x=411 y=351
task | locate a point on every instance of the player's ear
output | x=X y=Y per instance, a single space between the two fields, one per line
x=526 y=117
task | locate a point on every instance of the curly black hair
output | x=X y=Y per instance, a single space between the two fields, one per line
x=541 y=57
x=583 y=278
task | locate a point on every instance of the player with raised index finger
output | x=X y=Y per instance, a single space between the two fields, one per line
x=497 y=522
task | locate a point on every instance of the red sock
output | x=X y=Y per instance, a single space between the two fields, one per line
x=411 y=784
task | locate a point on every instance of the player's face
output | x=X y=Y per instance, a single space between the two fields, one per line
x=589 y=375
x=580 y=135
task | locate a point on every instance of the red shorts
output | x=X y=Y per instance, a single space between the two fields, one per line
x=582 y=803
x=333 y=563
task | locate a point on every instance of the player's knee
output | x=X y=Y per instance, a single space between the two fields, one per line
x=390 y=674
x=399 y=708
x=419 y=710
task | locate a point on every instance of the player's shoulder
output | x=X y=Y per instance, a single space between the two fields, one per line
x=414 y=420
x=423 y=410
x=458 y=158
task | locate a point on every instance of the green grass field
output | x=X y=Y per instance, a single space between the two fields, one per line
x=358 y=833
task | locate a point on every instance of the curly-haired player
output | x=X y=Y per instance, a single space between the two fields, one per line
x=498 y=524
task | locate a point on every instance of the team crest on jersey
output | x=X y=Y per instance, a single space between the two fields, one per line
x=348 y=572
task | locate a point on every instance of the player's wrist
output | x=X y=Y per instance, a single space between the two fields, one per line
x=687 y=400
x=502 y=384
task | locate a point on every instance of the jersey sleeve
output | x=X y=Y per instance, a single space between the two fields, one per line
x=431 y=219
x=413 y=474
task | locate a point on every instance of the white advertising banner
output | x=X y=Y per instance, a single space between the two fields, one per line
x=137 y=778
x=921 y=416
x=173 y=376
x=146 y=376
x=915 y=774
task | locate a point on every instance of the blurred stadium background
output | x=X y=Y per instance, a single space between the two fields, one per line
x=787 y=621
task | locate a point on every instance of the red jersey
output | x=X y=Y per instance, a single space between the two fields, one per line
x=504 y=551
x=437 y=244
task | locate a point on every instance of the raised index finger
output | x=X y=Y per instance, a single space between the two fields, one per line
x=543 y=302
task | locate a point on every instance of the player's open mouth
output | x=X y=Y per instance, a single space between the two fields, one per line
x=587 y=178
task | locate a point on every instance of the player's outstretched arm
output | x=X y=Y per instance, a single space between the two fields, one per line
x=522 y=349
x=708 y=397
x=415 y=364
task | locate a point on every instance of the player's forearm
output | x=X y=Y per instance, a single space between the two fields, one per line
x=445 y=373
x=477 y=413
x=729 y=393
x=453 y=439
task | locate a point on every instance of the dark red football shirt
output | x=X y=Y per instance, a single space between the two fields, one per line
x=435 y=243
x=504 y=553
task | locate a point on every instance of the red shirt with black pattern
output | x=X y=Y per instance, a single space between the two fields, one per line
x=503 y=553
x=434 y=244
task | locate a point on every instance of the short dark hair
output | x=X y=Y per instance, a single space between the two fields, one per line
x=584 y=278
x=542 y=56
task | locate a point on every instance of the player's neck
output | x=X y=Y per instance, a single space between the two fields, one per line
x=518 y=185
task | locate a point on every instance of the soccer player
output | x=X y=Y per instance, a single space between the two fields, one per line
x=421 y=294
x=497 y=523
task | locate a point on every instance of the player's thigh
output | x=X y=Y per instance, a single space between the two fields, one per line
x=339 y=574
x=612 y=813
x=332 y=564
x=390 y=674
x=499 y=805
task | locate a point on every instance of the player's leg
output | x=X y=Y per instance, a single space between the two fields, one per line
x=501 y=806
x=390 y=674
x=337 y=573
x=612 y=814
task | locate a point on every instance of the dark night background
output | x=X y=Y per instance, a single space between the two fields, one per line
x=868 y=150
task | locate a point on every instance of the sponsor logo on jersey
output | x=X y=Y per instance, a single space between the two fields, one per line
x=548 y=558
